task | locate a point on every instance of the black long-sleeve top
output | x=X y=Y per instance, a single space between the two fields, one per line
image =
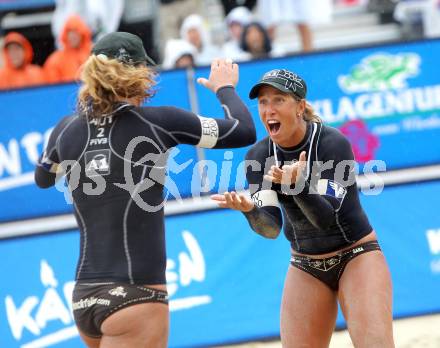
x=115 y=168
x=321 y=215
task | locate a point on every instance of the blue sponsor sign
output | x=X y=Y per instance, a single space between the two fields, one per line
x=36 y=293
x=407 y=222
x=29 y=115
x=28 y=120
x=223 y=279
x=204 y=292
x=7 y=5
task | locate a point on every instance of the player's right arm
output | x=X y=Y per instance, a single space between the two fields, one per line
x=236 y=129
x=262 y=211
x=47 y=165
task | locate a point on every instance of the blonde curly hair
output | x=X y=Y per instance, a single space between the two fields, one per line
x=108 y=81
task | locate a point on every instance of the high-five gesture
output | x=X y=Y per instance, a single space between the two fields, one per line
x=223 y=73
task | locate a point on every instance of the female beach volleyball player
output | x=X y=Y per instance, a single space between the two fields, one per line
x=302 y=176
x=115 y=151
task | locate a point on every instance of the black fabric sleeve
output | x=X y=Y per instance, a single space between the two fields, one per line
x=44 y=179
x=264 y=219
x=46 y=168
x=238 y=127
x=320 y=208
x=185 y=127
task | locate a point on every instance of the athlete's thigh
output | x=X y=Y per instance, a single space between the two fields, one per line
x=308 y=311
x=89 y=341
x=365 y=296
x=141 y=325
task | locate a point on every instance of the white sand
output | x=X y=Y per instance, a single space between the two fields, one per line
x=417 y=332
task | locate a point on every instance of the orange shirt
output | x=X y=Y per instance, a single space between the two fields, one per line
x=26 y=75
x=64 y=64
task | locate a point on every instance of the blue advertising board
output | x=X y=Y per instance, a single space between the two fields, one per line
x=28 y=117
x=9 y=5
x=407 y=222
x=225 y=282
x=204 y=291
x=386 y=100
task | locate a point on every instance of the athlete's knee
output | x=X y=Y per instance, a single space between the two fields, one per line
x=379 y=335
x=374 y=341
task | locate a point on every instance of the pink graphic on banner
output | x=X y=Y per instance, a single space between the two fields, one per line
x=364 y=143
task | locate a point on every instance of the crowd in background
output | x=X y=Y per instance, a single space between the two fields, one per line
x=185 y=37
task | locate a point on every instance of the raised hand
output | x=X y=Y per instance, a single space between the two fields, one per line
x=223 y=73
x=234 y=201
x=288 y=174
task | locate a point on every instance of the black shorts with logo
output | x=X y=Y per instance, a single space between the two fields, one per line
x=92 y=303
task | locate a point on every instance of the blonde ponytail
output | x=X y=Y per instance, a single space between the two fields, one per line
x=310 y=115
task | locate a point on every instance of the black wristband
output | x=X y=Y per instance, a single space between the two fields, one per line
x=222 y=87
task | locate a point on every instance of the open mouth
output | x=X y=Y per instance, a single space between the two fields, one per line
x=274 y=126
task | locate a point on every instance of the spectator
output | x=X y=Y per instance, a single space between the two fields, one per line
x=431 y=19
x=171 y=15
x=383 y=8
x=101 y=16
x=229 y=5
x=63 y=65
x=236 y=20
x=178 y=54
x=303 y=13
x=418 y=18
x=194 y=31
x=256 y=42
x=18 y=70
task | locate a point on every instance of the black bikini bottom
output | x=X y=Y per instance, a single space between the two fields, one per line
x=329 y=269
x=93 y=303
